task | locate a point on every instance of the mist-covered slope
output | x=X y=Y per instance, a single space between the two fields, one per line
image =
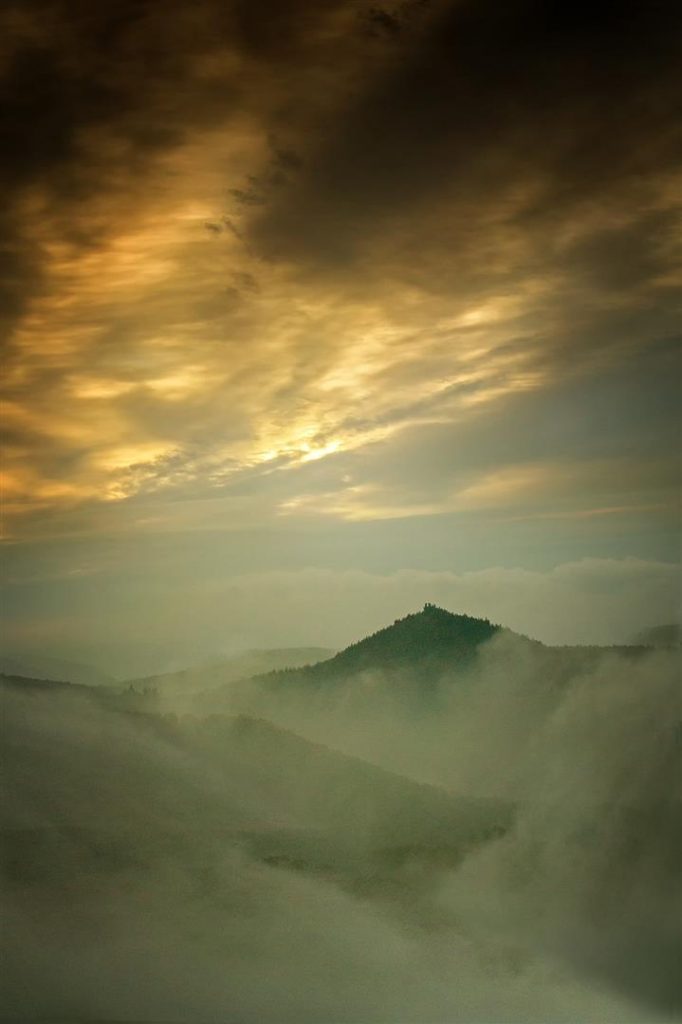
x=76 y=767
x=115 y=821
x=507 y=852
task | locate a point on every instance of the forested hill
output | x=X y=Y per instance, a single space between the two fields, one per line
x=428 y=639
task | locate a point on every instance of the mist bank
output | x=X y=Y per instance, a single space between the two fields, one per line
x=505 y=848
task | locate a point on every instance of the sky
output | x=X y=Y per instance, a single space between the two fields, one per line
x=314 y=312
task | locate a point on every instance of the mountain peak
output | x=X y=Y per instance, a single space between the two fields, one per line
x=433 y=631
x=428 y=641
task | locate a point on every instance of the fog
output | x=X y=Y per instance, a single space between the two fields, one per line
x=505 y=850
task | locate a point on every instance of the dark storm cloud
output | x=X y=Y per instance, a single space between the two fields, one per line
x=582 y=96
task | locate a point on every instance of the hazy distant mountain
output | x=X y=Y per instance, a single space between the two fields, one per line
x=660 y=636
x=226 y=670
x=36 y=666
x=29 y=684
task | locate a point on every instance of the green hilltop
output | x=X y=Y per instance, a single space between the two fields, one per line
x=429 y=639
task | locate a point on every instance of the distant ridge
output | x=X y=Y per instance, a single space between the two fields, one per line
x=30 y=683
x=36 y=666
x=243 y=665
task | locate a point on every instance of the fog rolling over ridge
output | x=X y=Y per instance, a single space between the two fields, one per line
x=445 y=822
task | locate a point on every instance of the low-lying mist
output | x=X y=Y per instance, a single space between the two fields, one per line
x=505 y=848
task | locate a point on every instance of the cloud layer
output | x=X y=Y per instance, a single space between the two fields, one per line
x=238 y=247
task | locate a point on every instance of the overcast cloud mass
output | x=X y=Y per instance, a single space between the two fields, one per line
x=292 y=286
